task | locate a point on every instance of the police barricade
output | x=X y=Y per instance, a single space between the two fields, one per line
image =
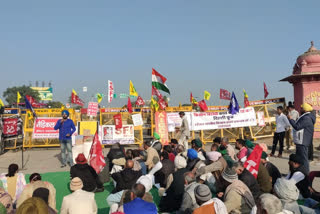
x=266 y=111
x=106 y=118
x=29 y=141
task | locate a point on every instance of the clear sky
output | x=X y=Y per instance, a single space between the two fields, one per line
x=197 y=45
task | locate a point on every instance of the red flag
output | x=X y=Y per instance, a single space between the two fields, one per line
x=191 y=97
x=156 y=92
x=266 y=93
x=225 y=94
x=139 y=101
x=246 y=102
x=117 y=121
x=33 y=102
x=129 y=106
x=76 y=100
x=96 y=156
x=253 y=161
x=162 y=104
x=203 y=106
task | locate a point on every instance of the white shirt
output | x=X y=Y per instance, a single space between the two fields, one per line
x=296 y=177
x=282 y=123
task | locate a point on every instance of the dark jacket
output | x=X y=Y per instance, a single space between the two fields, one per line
x=303 y=129
x=115 y=154
x=88 y=176
x=125 y=179
x=303 y=185
x=247 y=178
x=172 y=201
x=273 y=172
x=192 y=163
x=264 y=179
x=162 y=175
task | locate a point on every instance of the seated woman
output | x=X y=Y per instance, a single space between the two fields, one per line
x=87 y=174
x=13 y=182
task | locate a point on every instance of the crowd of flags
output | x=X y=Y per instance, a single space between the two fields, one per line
x=157 y=100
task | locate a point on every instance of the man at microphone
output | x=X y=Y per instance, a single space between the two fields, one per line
x=66 y=129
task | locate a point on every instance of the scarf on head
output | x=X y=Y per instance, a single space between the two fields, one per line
x=239 y=187
x=286 y=190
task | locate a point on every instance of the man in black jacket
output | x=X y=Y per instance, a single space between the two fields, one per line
x=272 y=169
x=246 y=177
x=87 y=174
x=126 y=178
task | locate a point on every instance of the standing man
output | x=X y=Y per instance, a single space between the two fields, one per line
x=294 y=114
x=282 y=124
x=66 y=129
x=184 y=129
x=303 y=130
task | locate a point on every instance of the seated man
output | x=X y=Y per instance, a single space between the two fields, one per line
x=126 y=178
x=162 y=175
x=189 y=203
x=237 y=196
x=87 y=174
x=152 y=155
x=137 y=205
x=272 y=169
x=246 y=177
x=204 y=199
x=269 y=203
x=35 y=183
x=299 y=175
x=79 y=201
x=264 y=179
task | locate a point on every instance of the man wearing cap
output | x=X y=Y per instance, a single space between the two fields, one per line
x=87 y=174
x=196 y=144
x=299 y=175
x=203 y=197
x=189 y=203
x=184 y=130
x=79 y=201
x=66 y=129
x=237 y=196
x=229 y=148
x=303 y=130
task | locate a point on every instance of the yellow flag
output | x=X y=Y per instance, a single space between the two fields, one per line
x=74 y=92
x=207 y=95
x=1 y=103
x=18 y=97
x=99 y=97
x=154 y=104
x=133 y=91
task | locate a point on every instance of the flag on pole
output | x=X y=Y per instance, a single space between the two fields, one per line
x=206 y=95
x=129 y=106
x=99 y=97
x=75 y=99
x=192 y=100
x=140 y=101
x=18 y=97
x=246 y=99
x=203 y=106
x=162 y=104
x=266 y=93
x=96 y=156
x=154 y=104
x=75 y=93
x=224 y=94
x=33 y=102
x=156 y=92
x=253 y=161
x=29 y=106
x=233 y=106
x=133 y=91
x=110 y=91
x=1 y=103
x=158 y=81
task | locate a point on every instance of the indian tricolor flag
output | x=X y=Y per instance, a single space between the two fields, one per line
x=158 y=81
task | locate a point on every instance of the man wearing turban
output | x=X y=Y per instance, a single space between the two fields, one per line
x=66 y=129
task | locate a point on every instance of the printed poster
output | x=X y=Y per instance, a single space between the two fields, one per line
x=44 y=128
x=162 y=126
x=137 y=120
x=111 y=135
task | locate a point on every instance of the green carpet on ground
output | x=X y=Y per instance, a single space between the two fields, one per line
x=61 y=181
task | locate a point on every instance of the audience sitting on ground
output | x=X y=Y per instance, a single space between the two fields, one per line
x=196 y=144
x=229 y=148
x=264 y=179
x=116 y=152
x=137 y=157
x=167 y=169
x=6 y=202
x=35 y=183
x=87 y=174
x=189 y=204
x=152 y=155
x=13 y=182
x=35 y=205
x=270 y=204
x=243 y=151
x=80 y=201
x=168 y=149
